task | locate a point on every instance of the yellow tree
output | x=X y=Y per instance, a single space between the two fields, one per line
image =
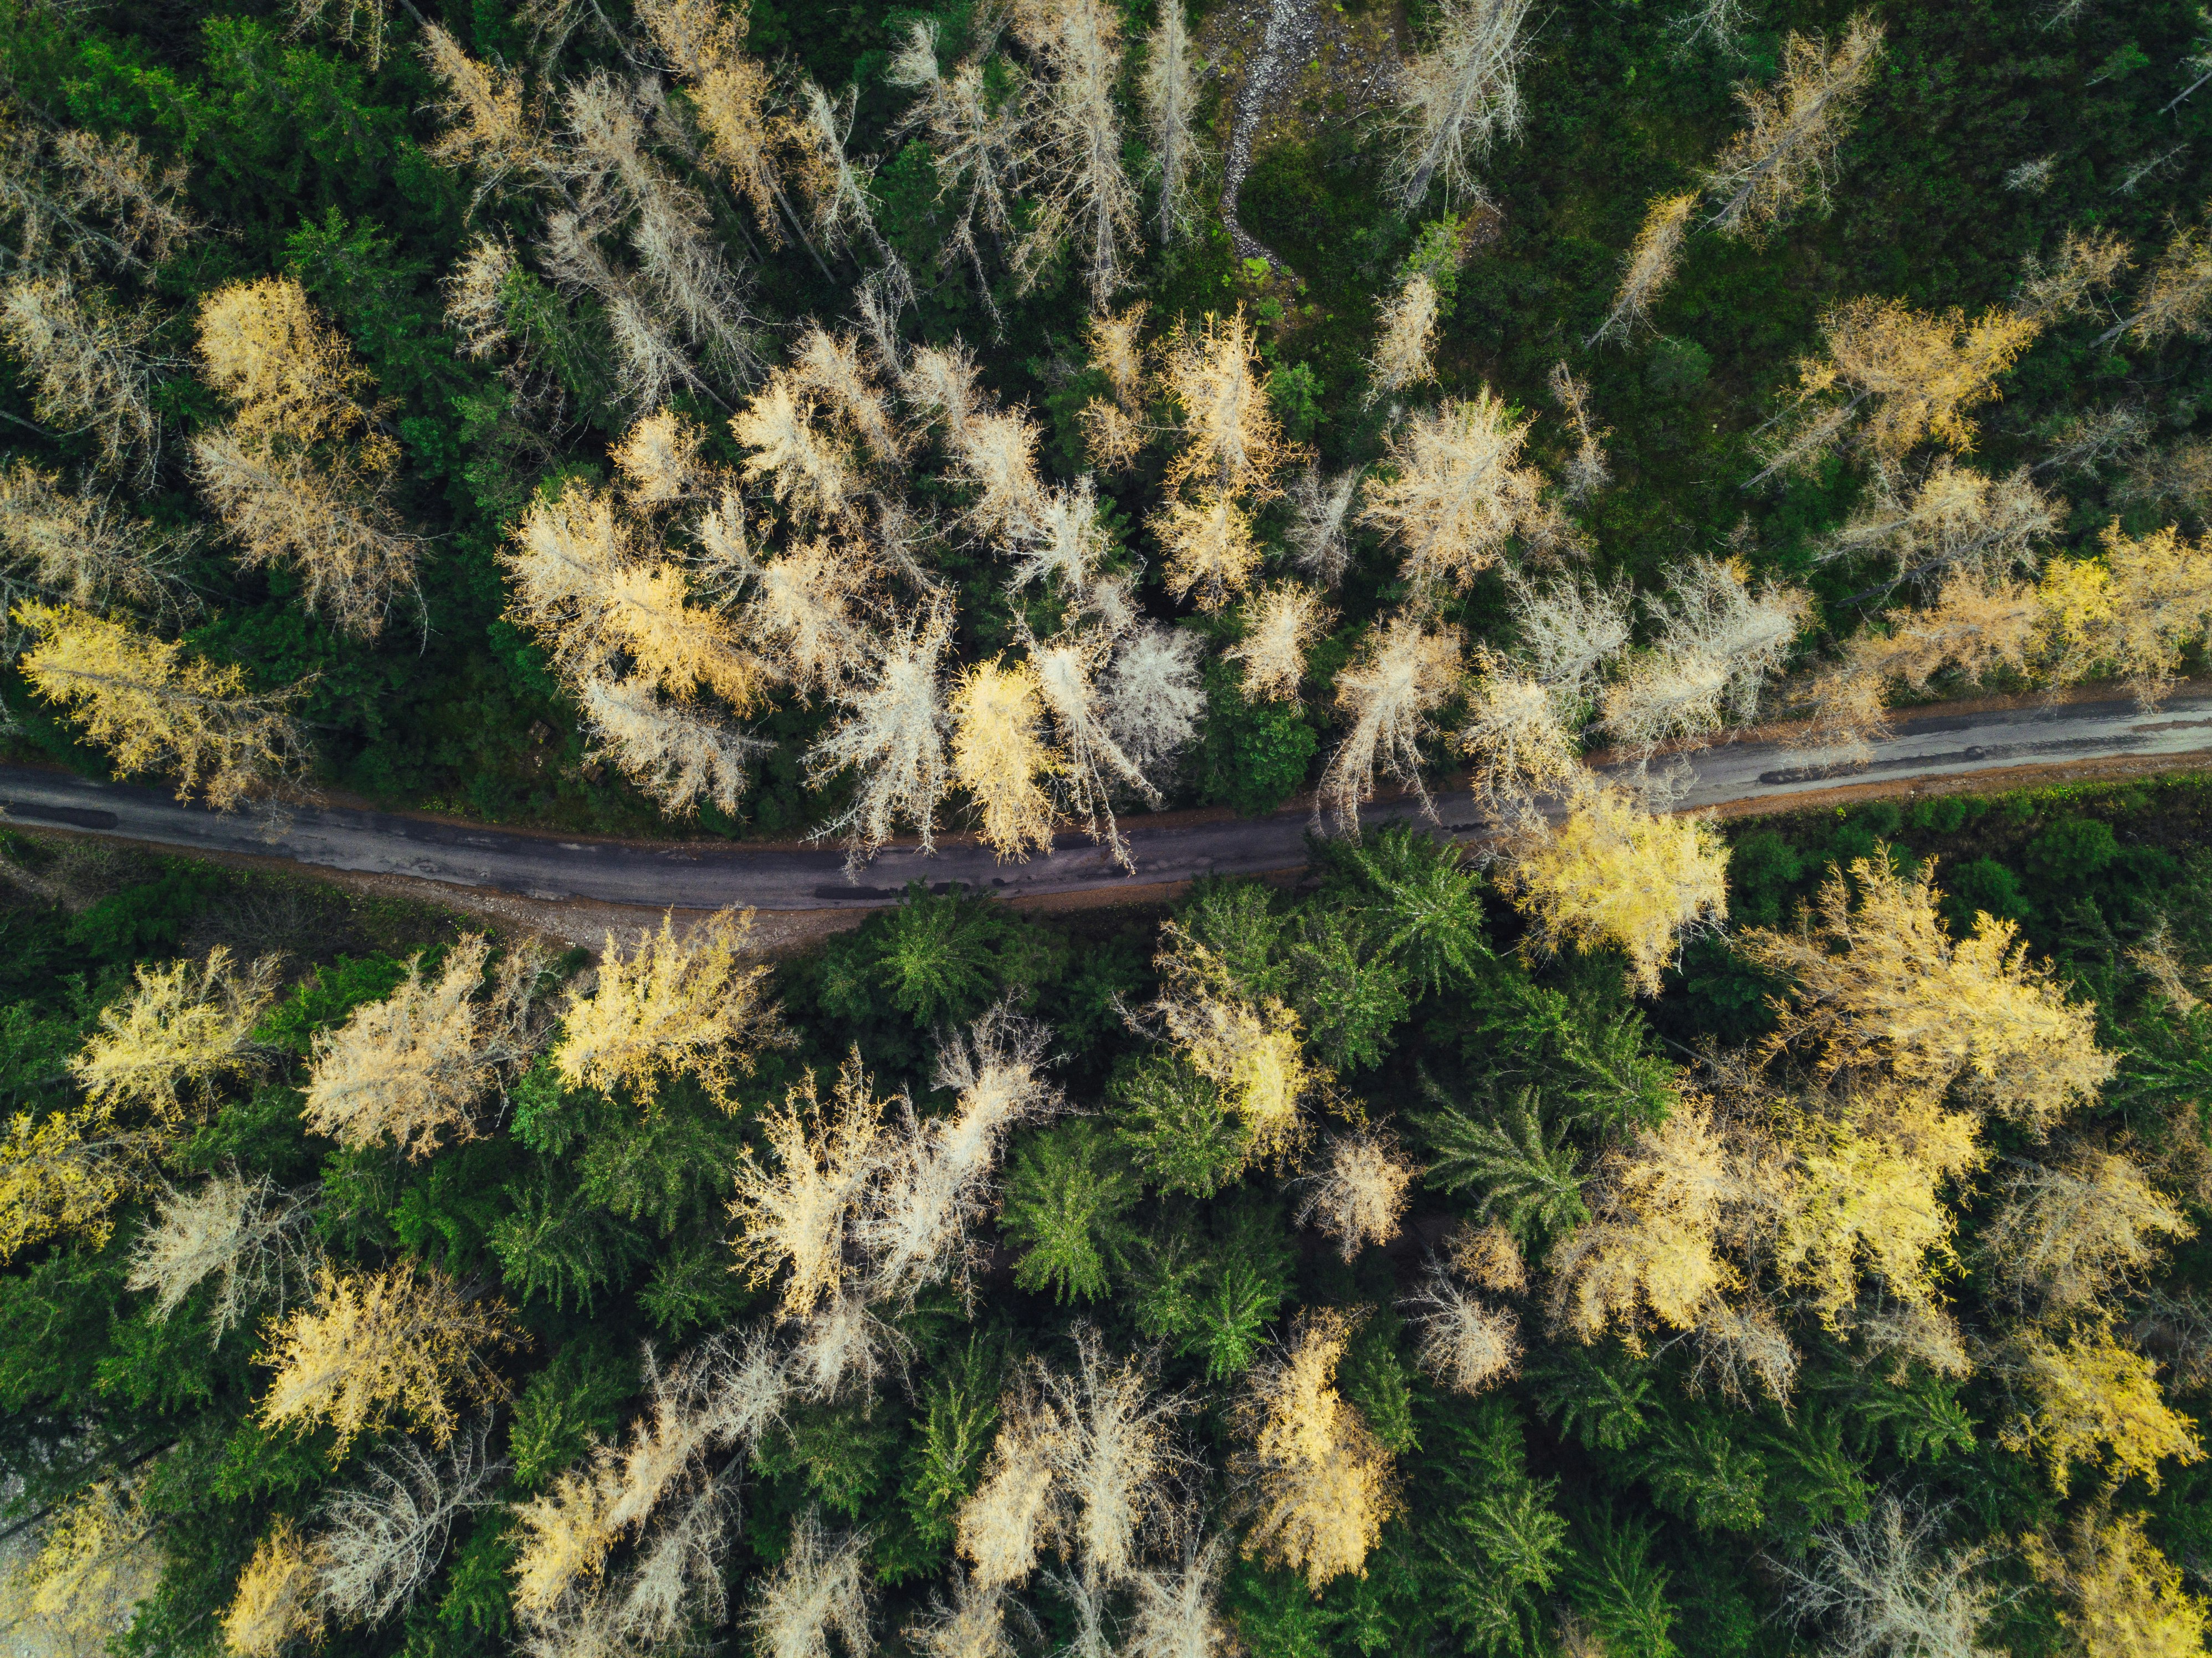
x=2069 y=1235
x=1359 y=1195
x=1881 y=985
x=1248 y=1048
x=1459 y=96
x=1282 y=624
x=1232 y=446
x=2177 y=298
x=1113 y=426
x=154 y=708
x=78 y=1588
x=796 y=1217
x=2136 y=609
x=81 y=549
x=1785 y=154
x=1321 y=1485
x=1406 y=339
x=1403 y=669
x=2085 y=1390
x=376 y=1343
x=1974 y=629
x=2121 y=1597
x=275 y=1603
x=684 y=1004
x=183 y=1028
x=62 y=1175
x=1077 y=189
x=1648 y=268
x=1454 y=491
x=1001 y=757
x=1611 y=873
x=88 y=366
x=289 y=373
x=411 y=1067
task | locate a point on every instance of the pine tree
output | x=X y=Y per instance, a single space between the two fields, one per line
x=1785 y=155
x=1460 y=96
x=156 y=709
x=686 y=1004
x=376 y=1343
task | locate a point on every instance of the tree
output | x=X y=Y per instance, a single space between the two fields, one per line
x=1154 y=697
x=80 y=550
x=1455 y=494
x=1516 y=733
x=1114 y=426
x=1320 y=508
x=2088 y=265
x=809 y=471
x=976 y=148
x=1465 y=1344
x=1011 y=1515
x=2069 y=1235
x=2087 y=1389
x=375 y=1343
x=1648 y=267
x=380 y=1546
x=675 y=754
x=2122 y=1598
x=1111 y=1458
x=1786 y=153
x=180 y=1027
x=1881 y=985
x=412 y=1066
x=1001 y=757
x=1402 y=671
x=797 y=1217
x=1611 y=873
x=63 y=1173
x=2147 y=602
x=273 y=1605
x=1718 y=642
x=1404 y=339
x=1974 y=626
x=703 y=44
x=1358 y=1196
x=157 y=709
x=1664 y=1205
x=1175 y=1614
x=487 y=124
x=1957 y=521
x=1586 y=471
x=1282 y=624
x=820 y=1586
x=805 y=617
x=996 y=450
x=1247 y=1046
x=893 y=732
x=1077 y=188
x=291 y=376
x=584 y=587
x=1064 y=1198
x=1169 y=88
x=1884 y=1587
x=675 y=1004
x=1321 y=1484
x=1210 y=547
x=79 y=1585
x=2178 y=295
x=1090 y=764
x=935 y=1179
x=89 y=366
x=1460 y=96
x=244 y=1232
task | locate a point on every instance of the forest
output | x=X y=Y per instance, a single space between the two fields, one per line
x=1317 y=1268
x=1648 y=1233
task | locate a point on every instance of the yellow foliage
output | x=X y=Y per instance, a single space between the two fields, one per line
x=181 y=1025
x=1280 y=627
x=94 y=1561
x=1612 y=873
x=411 y=1067
x=1516 y=733
x=78 y=548
x=1209 y=546
x=1359 y=1195
x=1250 y=1050
x=674 y=1005
x=155 y=709
x=375 y=1342
x=2071 y=1233
x=1649 y=266
x=274 y=1603
x=1652 y=1250
x=1974 y=626
x=2123 y=1599
x=1321 y=1485
x=1455 y=490
x=1885 y=985
x=1785 y=153
x=799 y=453
x=2137 y=609
x=1403 y=670
x=485 y=123
x=1011 y=1515
x=2089 y=1391
x=1001 y=757
x=586 y=587
x=1409 y=336
x=88 y=369
x=291 y=375
x=1865 y=1193
x=798 y=1215
x=659 y=459
x=63 y=1173
x=1924 y=369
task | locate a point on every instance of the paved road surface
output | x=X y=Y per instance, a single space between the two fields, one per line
x=712 y=875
